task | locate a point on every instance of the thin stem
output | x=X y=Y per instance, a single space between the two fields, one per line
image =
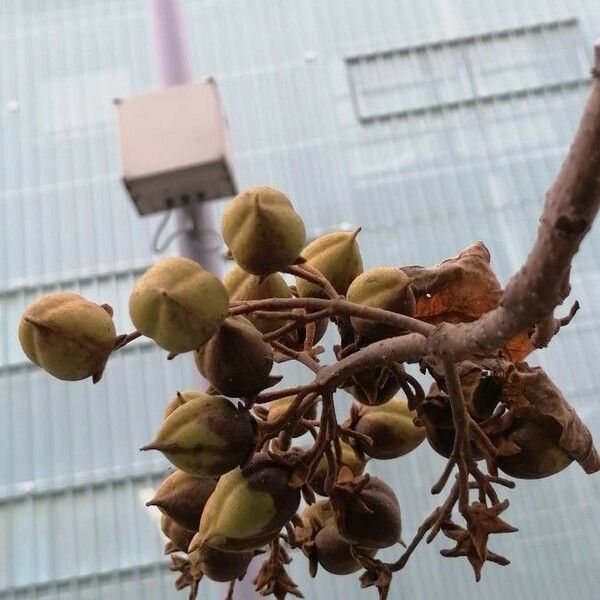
x=461 y=452
x=332 y=308
x=125 y=339
x=312 y=275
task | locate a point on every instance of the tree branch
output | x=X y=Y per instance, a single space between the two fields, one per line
x=534 y=291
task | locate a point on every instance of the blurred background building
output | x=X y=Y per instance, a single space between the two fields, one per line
x=430 y=123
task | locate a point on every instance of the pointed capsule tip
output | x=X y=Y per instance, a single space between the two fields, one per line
x=150 y=446
x=32 y=321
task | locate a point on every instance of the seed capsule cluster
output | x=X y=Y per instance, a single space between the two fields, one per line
x=247 y=452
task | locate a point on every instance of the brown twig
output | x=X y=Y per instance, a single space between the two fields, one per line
x=548 y=327
x=308 y=272
x=331 y=308
x=125 y=338
x=303 y=357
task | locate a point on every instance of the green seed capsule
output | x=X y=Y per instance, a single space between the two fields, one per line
x=391 y=428
x=206 y=436
x=278 y=407
x=242 y=285
x=179 y=399
x=386 y=288
x=248 y=508
x=262 y=230
x=338 y=257
x=67 y=335
x=178 y=304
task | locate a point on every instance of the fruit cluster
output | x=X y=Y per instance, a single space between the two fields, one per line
x=240 y=469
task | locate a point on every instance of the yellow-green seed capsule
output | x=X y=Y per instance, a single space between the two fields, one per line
x=206 y=436
x=67 y=335
x=384 y=287
x=242 y=285
x=236 y=360
x=338 y=257
x=262 y=230
x=279 y=407
x=248 y=508
x=178 y=304
x=391 y=428
x=179 y=399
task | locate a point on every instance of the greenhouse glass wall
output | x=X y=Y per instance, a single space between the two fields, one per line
x=431 y=124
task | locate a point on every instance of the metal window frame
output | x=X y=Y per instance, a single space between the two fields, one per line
x=357 y=59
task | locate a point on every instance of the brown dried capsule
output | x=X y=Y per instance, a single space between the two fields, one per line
x=182 y=497
x=333 y=552
x=179 y=537
x=537 y=453
x=218 y=565
x=314 y=517
x=367 y=512
x=206 y=436
x=236 y=360
x=262 y=230
x=391 y=428
x=435 y=414
x=350 y=459
x=373 y=387
x=248 y=507
x=387 y=288
x=337 y=256
x=67 y=335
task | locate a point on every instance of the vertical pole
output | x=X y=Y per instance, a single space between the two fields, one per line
x=174 y=69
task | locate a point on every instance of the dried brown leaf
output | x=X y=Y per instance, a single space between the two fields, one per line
x=458 y=289
x=519 y=347
x=533 y=385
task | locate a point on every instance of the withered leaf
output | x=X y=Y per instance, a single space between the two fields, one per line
x=458 y=289
x=532 y=384
x=519 y=347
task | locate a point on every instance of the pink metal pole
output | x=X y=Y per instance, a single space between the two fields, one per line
x=174 y=69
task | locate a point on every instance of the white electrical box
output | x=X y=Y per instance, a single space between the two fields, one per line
x=175 y=147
